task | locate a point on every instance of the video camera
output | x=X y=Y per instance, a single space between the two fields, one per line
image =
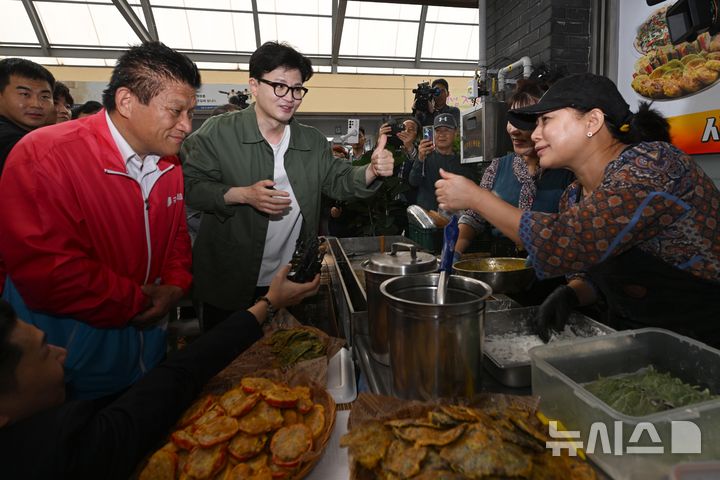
x=686 y=19
x=238 y=97
x=423 y=94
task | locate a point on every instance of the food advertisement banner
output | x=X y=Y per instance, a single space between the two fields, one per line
x=681 y=80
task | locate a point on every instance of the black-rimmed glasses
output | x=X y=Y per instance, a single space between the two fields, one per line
x=281 y=89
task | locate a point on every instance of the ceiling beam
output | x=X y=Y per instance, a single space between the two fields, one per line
x=222 y=57
x=337 y=30
x=37 y=26
x=129 y=15
x=149 y=19
x=421 y=34
x=256 y=23
x=436 y=3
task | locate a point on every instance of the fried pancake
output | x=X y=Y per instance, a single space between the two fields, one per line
x=289 y=444
x=206 y=462
x=404 y=459
x=422 y=436
x=170 y=447
x=211 y=414
x=367 y=443
x=481 y=452
x=302 y=391
x=315 y=419
x=244 y=447
x=549 y=467
x=278 y=472
x=410 y=422
x=258 y=463
x=161 y=466
x=216 y=431
x=262 y=418
x=291 y=417
x=461 y=413
x=304 y=405
x=196 y=410
x=241 y=471
x=237 y=403
x=184 y=438
x=433 y=461
x=438 y=475
x=281 y=396
x=256 y=384
x=441 y=419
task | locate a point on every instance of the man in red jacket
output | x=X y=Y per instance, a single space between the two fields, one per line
x=94 y=234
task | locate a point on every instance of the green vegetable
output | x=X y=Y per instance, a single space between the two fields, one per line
x=296 y=344
x=646 y=391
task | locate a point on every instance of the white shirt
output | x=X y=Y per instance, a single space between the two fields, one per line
x=284 y=229
x=144 y=172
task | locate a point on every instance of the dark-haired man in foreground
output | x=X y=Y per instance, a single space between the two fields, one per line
x=105 y=438
x=94 y=234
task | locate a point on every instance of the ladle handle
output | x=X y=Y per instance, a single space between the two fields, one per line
x=398 y=246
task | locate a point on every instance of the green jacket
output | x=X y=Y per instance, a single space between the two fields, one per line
x=228 y=151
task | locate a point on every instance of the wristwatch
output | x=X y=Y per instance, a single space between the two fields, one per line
x=270 y=309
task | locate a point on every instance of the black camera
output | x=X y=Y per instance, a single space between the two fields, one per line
x=395 y=128
x=239 y=98
x=423 y=94
x=306 y=261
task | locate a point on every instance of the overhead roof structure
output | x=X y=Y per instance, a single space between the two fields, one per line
x=394 y=37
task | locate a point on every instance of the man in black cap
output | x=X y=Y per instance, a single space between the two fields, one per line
x=432 y=156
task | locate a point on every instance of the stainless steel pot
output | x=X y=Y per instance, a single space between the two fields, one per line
x=503 y=274
x=403 y=259
x=435 y=350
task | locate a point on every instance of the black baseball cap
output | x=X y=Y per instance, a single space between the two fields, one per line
x=445 y=120
x=583 y=91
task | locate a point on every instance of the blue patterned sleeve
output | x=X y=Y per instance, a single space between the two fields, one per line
x=636 y=201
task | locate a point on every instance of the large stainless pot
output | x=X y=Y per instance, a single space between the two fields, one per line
x=503 y=274
x=402 y=259
x=435 y=350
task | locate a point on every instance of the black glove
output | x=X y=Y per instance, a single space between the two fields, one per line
x=555 y=311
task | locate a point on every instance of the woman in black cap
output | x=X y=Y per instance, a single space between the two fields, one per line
x=517 y=178
x=639 y=229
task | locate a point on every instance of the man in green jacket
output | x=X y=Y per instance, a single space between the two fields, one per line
x=258 y=176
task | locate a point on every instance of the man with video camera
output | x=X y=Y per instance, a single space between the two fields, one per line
x=431 y=100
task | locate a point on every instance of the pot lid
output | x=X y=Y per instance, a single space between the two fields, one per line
x=402 y=259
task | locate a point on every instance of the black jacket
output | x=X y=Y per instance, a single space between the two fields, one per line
x=107 y=437
x=10 y=134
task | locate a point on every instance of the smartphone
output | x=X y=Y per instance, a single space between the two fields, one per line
x=428 y=133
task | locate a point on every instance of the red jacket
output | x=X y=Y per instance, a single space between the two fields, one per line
x=74 y=236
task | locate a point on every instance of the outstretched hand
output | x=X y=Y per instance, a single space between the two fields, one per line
x=264 y=198
x=284 y=293
x=455 y=192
